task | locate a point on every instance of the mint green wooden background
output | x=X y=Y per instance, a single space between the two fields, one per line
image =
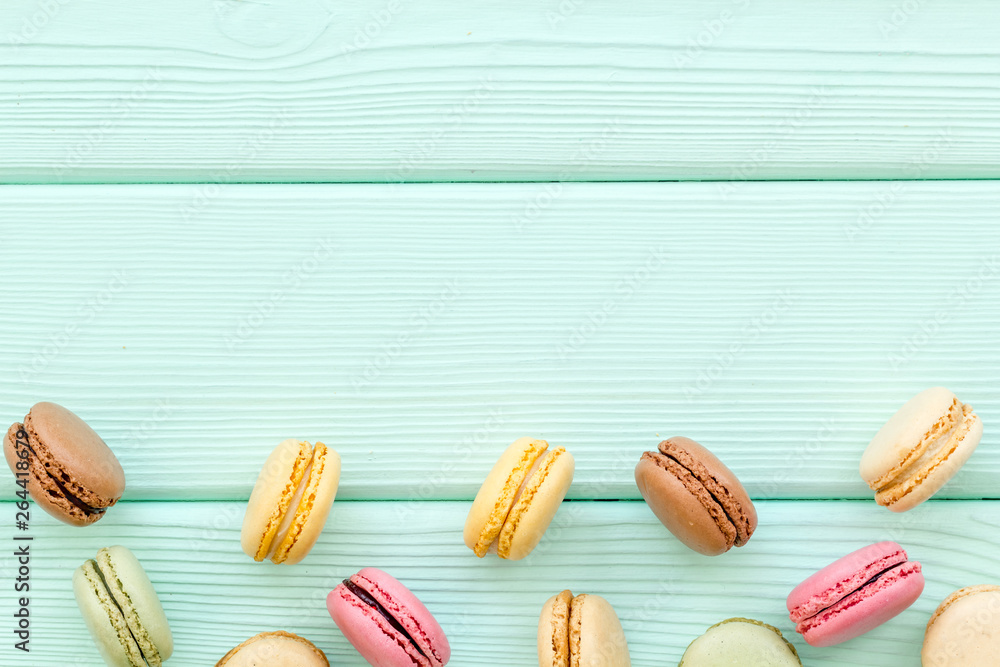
x=420 y=328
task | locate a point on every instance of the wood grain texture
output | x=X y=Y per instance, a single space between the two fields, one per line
x=231 y=91
x=421 y=329
x=665 y=595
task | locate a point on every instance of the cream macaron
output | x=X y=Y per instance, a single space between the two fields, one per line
x=290 y=502
x=519 y=499
x=920 y=448
x=275 y=649
x=965 y=630
x=582 y=631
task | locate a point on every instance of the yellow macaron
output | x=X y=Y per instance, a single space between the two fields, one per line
x=518 y=500
x=290 y=501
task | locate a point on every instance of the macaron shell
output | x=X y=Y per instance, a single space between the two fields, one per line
x=42 y=488
x=408 y=610
x=67 y=459
x=718 y=480
x=131 y=588
x=372 y=636
x=314 y=508
x=531 y=515
x=496 y=496
x=741 y=642
x=78 y=451
x=271 y=496
x=928 y=479
x=682 y=504
x=842 y=577
x=105 y=621
x=903 y=433
x=596 y=635
x=553 y=631
x=865 y=609
x=275 y=649
x=965 y=629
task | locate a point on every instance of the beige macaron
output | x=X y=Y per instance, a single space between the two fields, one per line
x=518 y=500
x=290 y=502
x=275 y=649
x=965 y=630
x=582 y=631
x=920 y=448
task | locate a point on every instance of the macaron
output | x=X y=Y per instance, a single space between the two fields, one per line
x=582 y=631
x=920 y=448
x=696 y=496
x=965 y=629
x=855 y=594
x=70 y=471
x=518 y=500
x=741 y=642
x=290 y=502
x=121 y=610
x=386 y=623
x=275 y=649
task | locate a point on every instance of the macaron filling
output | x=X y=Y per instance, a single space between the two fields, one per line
x=860 y=578
x=118 y=615
x=529 y=487
x=719 y=492
x=937 y=446
x=367 y=599
x=48 y=476
x=882 y=579
x=516 y=482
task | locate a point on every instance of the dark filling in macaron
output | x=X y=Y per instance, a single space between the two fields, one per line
x=877 y=577
x=107 y=588
x=365 y=597
x=25 y=441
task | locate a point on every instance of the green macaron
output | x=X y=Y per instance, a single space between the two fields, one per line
x=741 y=642
x=121 y=610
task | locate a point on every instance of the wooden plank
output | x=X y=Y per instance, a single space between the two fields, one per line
x=665 y=595
x=421 y=329
x=230 y=91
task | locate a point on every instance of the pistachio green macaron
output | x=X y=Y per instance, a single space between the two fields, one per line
x=741 y=642
x=121 y=610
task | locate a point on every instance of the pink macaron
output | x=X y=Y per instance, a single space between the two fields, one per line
x=855 y=594
x=386 y=623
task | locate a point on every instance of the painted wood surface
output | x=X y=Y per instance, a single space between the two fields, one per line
x=421 y=329
x=391 y=90
x=215 y=596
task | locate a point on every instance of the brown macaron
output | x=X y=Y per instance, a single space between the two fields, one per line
x=70 y=472
x=696 y=496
